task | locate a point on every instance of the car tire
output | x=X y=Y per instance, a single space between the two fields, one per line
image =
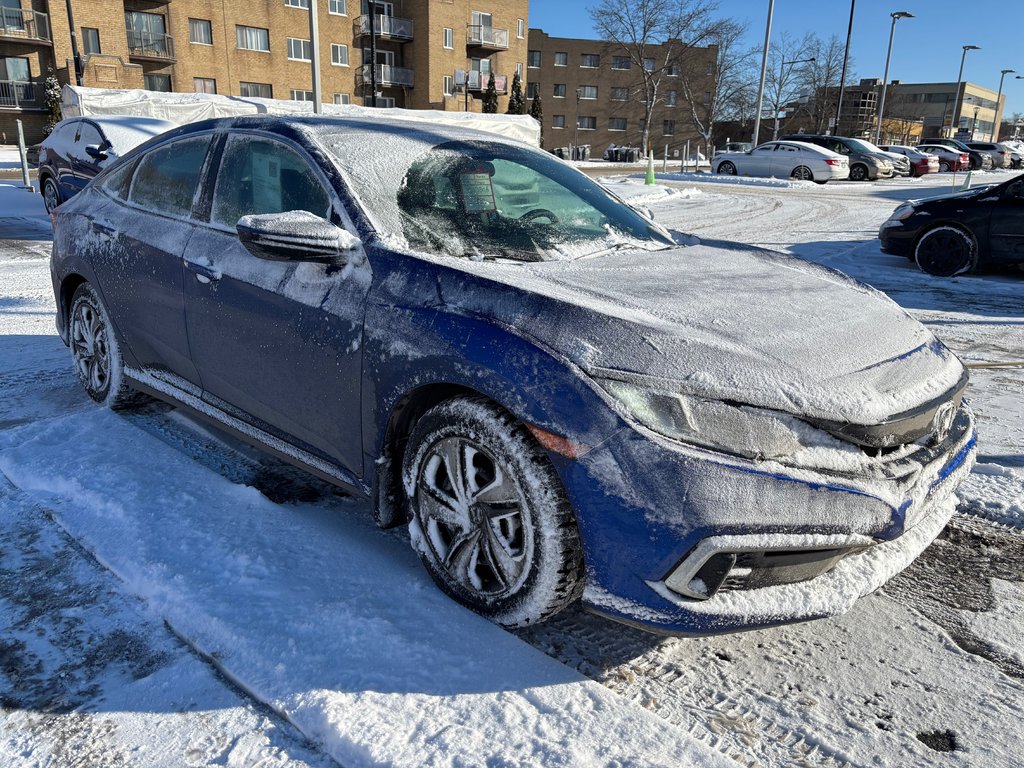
x=802 y=173
x=943 y=167
x=96 y=352
x=51 y=194
x=488 y=515
x=727 y=168
x=858 y=172
x=946 y=251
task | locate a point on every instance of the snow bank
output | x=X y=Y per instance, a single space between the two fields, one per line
x=712 y=178
x=317 y=613
x=633 y=191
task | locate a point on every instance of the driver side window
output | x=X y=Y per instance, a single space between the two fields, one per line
x=264 y=176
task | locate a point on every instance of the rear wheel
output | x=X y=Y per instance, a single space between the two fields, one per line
x=946 y=251
x=944 y=166
x=727 y=168
x=51 y=195
x=802 y=173
x=96 y=353
x=489 y=518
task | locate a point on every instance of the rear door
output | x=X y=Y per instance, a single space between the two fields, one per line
x=1006 y=226
x=784 y=160
x=137 y=246
x=280 y=341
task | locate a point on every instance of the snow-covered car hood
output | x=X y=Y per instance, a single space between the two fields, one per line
x=963 y=193
x=730 y=323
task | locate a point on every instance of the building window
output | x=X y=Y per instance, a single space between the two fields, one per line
x=449 y=85
x=558 y=121
x=711 y=68
x=520 y=29
x=559 y=92
x=448 y=37
x=342 y=98
x=533 y=59
x=668 y=127
x=297 y=4
x=649 y=65
x=616 y=123
x=339 y=55
x=337 y=8
x=299 y=49
x=204 y=84
x=588 y=91
x=707 y=97
x=256 y=90
x=561 y=59
x=621 y=62
x=252 y=38
x=590 y=60
x=619 y=94
x=300 y=95
x=200 y=31
x=670 y=99
x=383 y=102
x=588 y=123
x=673 y=69
x=519 y=68
x=90 y=40
x=532 y=90
x=160 y=83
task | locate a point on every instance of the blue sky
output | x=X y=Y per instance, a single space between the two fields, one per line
x=927 y=48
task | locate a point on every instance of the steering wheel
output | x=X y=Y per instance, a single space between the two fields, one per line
x=539 y=213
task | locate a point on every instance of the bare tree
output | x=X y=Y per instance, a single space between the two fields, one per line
x=819 y=79
x=653 y=34
x=732 y=84
x=783 y=83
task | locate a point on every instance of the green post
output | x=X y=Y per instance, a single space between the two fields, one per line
x=650 y=168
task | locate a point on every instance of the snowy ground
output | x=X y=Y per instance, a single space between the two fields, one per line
x=170 y=597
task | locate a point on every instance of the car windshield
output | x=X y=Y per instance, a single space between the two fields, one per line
x=484 y=199
x=862 y=146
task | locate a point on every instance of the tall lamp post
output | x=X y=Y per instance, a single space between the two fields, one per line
x=764 y=72
x=576 y=137
x=955 y=120
x=896 y=16
x=782 y=79
x=842 y=77
x=995 y=126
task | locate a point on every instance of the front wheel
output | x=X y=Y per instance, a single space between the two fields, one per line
x=859 y=173
x=944 y=167
x=727 y=168
x=489 y=518
x=946 y=251
x=95 y=351
x=51 y=195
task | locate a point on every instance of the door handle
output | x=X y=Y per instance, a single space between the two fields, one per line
x=203 y=273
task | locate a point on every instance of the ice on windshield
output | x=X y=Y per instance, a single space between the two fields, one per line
x=482 y=199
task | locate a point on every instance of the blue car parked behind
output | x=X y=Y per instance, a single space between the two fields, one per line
x=559 y=400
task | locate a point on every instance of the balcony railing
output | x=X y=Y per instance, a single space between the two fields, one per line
x=487 y=37
x=385 y=26
x=478 y=81
x=21 y=93
x=24 y=24
x=388 y=75
x=150 y=45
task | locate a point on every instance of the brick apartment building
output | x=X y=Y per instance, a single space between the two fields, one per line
x=261 y=48
x=596 y=81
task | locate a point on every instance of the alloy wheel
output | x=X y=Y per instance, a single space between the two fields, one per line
x=90 y=348
x=51 y=197
x=727 y=168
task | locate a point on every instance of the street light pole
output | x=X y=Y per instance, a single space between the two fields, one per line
x=955 y=120
x=896 y=16
x=764 y=72
x=782 y=79
x=314 y=55
x=842 y=77
x=576 y=136
x=995 y=117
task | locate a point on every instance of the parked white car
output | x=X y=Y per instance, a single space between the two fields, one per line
x=785 y=160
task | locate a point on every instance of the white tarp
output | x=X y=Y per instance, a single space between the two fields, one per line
x=181 y=108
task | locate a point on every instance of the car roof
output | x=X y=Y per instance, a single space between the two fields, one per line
x=126 y=131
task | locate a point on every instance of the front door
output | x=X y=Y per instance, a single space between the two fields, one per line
x=280 y=341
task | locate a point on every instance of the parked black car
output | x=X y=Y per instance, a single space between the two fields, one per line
x=980 y=161
x=953 y=234
x=80 y=147
x=867 y=162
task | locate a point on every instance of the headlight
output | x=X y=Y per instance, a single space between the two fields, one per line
x=738 y=429
x=905 y=211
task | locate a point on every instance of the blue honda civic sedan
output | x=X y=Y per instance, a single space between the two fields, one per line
x=558 y=399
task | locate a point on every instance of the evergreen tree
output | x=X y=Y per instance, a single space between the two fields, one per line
x=491 y=97
x=537 y=113
x=516 y=103
x=51 y=97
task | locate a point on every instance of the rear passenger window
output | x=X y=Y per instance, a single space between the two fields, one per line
x=115 y=183
x=263 y=176
x=167 y=177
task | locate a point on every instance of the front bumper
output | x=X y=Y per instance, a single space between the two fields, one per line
x=896 y=239
x=645 y=542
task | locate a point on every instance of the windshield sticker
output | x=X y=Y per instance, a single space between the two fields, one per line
x=477 y=193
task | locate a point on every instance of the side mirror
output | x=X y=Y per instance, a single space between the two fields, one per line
x=96 y=151
x=296 y=236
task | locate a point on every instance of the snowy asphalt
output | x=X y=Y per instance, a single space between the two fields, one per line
x=166 y=592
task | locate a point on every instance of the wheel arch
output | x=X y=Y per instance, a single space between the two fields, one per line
x=68 y=285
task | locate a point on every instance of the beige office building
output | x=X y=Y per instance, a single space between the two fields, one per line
x=262 y=48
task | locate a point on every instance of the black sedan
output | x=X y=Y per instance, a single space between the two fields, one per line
x=953 y=234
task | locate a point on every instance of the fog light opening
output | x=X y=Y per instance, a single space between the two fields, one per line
x=709 y=578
